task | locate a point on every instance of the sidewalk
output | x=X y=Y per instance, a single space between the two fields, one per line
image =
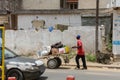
x=114 y=65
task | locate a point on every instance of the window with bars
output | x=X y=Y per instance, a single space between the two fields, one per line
x=69 y=4
x=72 y=4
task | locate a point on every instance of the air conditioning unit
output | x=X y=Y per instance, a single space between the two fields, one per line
x=115 y=3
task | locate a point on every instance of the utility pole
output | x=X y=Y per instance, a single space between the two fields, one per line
x=1 y=5
x=64 y=4
x=97 y=23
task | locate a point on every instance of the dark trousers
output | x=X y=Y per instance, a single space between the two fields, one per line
x=83 y=61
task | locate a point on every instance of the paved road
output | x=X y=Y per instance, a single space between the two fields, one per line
x=90 y=74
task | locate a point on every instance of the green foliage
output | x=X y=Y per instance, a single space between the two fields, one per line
x=69 y=55
x=109 y=47
x=91 y=57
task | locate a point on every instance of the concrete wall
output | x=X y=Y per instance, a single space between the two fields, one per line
x=30 y=41
x=41 y=4
x=55 y=4
x=116 y=32
x=25 y=21
x=3 y=19
x=91 y=4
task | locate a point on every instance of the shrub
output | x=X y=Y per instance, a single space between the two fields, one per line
x=109 y=47
x=91 y=57
x=69 y=55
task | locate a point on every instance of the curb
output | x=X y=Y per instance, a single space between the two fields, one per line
x=97 y=66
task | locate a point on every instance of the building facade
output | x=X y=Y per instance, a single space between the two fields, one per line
x=116 y=28
x=27 y=14
x=15 y=8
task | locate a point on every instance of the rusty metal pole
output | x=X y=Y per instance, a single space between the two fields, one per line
x=64 y=1
x=96 y=32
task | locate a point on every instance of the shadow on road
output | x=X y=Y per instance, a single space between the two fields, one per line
x=64 y=67
x=61 y=68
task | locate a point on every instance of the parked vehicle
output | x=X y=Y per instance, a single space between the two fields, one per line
x=22 y=67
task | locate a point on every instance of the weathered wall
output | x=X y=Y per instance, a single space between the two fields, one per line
x=103 y=21
x=41 y=4
x=55 y=4
x=116 y=32
x=29 y=41
x=50 y=4
x=3 y=19
x=25 y=21
x=91 y=4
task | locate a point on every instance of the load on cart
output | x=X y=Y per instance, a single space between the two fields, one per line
x=54 y=53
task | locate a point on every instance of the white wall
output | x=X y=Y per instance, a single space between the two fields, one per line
x=91 y=4
x=41 y=4
x=25 y=21
x=29 y=41
x=116 y=32
x=55 y=4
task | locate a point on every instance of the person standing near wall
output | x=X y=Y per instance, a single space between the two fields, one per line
x=80 y=54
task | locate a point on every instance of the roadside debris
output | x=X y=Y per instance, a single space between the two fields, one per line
x=104 y=58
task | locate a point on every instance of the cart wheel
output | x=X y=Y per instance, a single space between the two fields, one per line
x=59 y=61
x=52 y=63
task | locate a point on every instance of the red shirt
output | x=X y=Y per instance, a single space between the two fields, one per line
x=80 y=50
